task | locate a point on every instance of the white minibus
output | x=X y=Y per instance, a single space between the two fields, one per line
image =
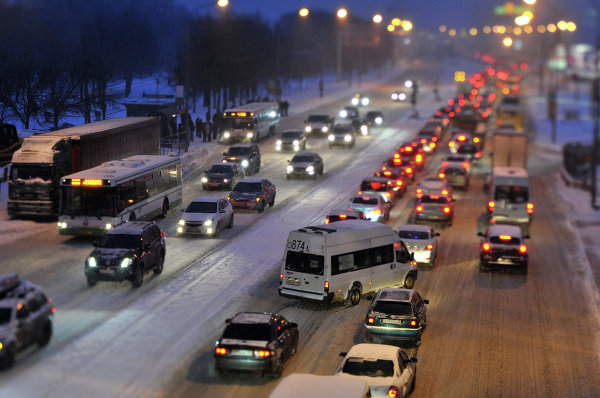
x=343 y=261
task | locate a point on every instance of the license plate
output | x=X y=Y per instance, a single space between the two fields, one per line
x=242 y=353
x=393 y=321
x=505 y=261
x=214 y=184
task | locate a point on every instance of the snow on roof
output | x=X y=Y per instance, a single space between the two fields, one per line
x=373 y=351
x=115 y=169
x=509 y=171
x=252 y=179
x=252 y=317
x=76 y=132
x=299 y=385
x=504 y=229
x=213 y=199
x=395 y=294
x=36 y=149
x=414 y=227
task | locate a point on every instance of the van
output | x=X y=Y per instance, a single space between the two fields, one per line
x=510 y=196
x=343 y=261
x=299 y=385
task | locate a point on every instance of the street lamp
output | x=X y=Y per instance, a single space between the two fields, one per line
x=223 y=3
x=342 y=13
x=377 y=18
x=507 y=41
x=303 y=12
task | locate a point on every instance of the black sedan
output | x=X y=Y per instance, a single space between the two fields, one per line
x=256 y=342
x=503 y=246
x=253 y=194
x=374 y=118
x=305 y=164
x=222 y=176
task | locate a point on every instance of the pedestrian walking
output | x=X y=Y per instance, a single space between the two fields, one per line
x=321 y=88
x=207 y=130
x=199 y=127
x=286 y=106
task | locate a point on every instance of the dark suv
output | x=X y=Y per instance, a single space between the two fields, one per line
x=246 y=155
x=127 y=252
x=25 y=317
x=222 y=175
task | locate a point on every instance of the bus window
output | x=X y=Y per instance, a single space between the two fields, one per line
x=305 y=263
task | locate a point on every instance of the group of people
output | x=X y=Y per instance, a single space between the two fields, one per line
x=206 y=130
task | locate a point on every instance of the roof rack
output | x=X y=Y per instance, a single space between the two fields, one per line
x=317 y=230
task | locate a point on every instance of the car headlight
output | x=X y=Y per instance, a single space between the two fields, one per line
x=250 y=134
x=225 y=180
x=394 y=96
x=402 y=96
x=364 y=128
x=62 y=225
x=208 y=222
x=343 y=113
x=378 y=120
x=204 y=179
x=354 y=101
x=244 y=163
x=126 y=262
x=226 y=134
x=289 y=168
x=347 y=138
x=108 y=226
x=364 y=101
x=310 y=169
x=308 y=129
x=182 y=222
x=91 y=262
x=278 y=142
x=331 y=137
x=296 y=143
x=325 y=129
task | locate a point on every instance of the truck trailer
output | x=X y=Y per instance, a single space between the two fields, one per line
x=37 y=167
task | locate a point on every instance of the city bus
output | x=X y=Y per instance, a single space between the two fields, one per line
x=139 y=187
x=344 y=260
x=250 y=122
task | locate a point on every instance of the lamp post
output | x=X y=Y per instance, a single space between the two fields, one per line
x=341 y=14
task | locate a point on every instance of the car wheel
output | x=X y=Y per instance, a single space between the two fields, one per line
x=138 y=276
x=9 y=356
x=330 y=146
x=294 y=349
x=354 y=296
x=92 y=280
x=165 y=207
x=278 y=369
x=287 y=177
x=525 y=268
x=160 y=265
x=409 y=282
x=432 y=263
x=230 y=225
x=414 y=382
x=262 y=207
x=483 y=266
x=321 y=171
x=217 y=229
x=46 y=334
x=272 y=202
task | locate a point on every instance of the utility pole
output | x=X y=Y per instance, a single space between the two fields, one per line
x=596 y=105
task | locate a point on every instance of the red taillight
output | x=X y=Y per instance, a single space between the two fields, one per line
x=399 y=183
x=387 y=173
x=476 y=140
x=530 y=208
x=221 y=351
x=523 y=249
x=280 y=276
x=53 y=310
x=444 y=192
x=370 y=320
x=505 y=237
x=486 y=247
x=408 y=170
x=327 y=221
x=326 y=284
x=419 y=158
x=466 y=165
x=419 y=190
x=343 y=216
x=376 y=211
x=419 y=209
x=396 y=155
x=413 y=322
x=432 y=145
x=451 y=114
x=446 y=210
x=392 y=392
x=429 y=247
x=478 y=155
x=442 y=175
x=162 y=234
x=491 y=205
x=451 y=144
x=262 y=353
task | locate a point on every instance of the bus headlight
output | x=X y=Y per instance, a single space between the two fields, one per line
x=343 y=113
x=365 y=101
x=402 y=96
x=378 y=120
x=325 y=129
x=225 y=180
x=394 y=96
x=108 y=226
x=91 y=262
x=179 y=230
x=226 y=134
x=308 y=129
x=244 y=163
x=250 y=135
x=62 y=225
x=278 y=142
x=296 y=148
x=208 y=222
x=126 y=262
x=354 y=101
x=347 y=138
x=204 y=179
x=331 y=137
x=182 y=222
x=296 y=143
x=310 y=169
x=289 y=168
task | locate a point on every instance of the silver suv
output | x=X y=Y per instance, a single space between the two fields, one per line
x=26 y=316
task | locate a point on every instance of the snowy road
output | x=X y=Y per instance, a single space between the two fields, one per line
x=488 y=334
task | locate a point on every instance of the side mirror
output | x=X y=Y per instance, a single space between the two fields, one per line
x=412 y=256
x=292 y=325
x=526 y=236
x=437 y=234
x=479 y=233
x=370 y=297
x=343 y=354
x=228 y=320
x=289 y=161
x=413 y=360
x=426 y=301
x=224 y=153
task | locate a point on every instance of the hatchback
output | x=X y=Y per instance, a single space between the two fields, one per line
x=503 y=246
x=421 y=240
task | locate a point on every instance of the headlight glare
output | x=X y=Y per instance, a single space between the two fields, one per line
x=331 y=137
x=290 y=168
x=244 y=163
x=204 y=179
x=347 y=138
x=182 y=222
x=91 y=262
x=126 y=262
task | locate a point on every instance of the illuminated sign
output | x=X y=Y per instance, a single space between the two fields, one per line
x=89 y=182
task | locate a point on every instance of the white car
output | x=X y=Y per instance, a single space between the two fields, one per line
x=388 y=369
x=421 y=240
x=206 y=216
x=373 y=205
x=433 y=186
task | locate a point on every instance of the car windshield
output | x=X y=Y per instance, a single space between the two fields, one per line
x=318 y=118
x=363 y=200
x=454 y=172
x=5 y=315
x=505 y=240
x=512 y=194
x=341 y=129
x=373 y=115
x=370 y=368
x=120 y=241
x=373 y=186
x=434 y=199
x=302 y=159
x=413 y=235
x=291 y=134
x=455 y=158
x=393 y=308
x=248 y=331
x=220 y=169
x=248 y=187
x=238 y=151
x=202 y=207
x=467 y=148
